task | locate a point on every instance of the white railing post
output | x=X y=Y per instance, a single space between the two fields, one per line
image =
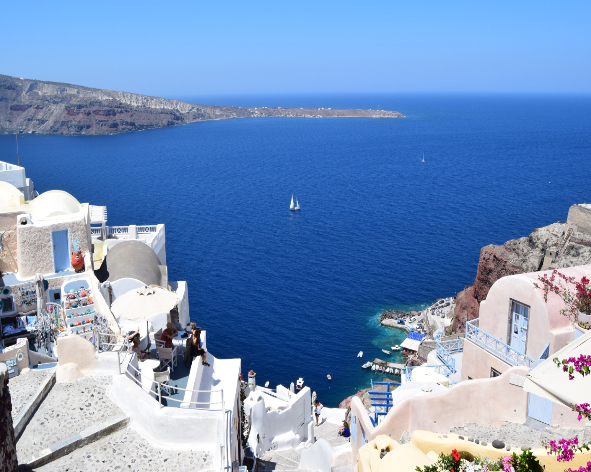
x=159 y=395
x=132 y=232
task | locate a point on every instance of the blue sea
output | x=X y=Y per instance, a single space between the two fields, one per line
x=298 y=294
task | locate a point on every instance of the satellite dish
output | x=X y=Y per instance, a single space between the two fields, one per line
x=6 y=291
x=20 y=356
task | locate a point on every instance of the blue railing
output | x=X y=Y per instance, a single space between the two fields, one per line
x=443 y=369
x=382 y=400
x=445 y=349
x=495 y=346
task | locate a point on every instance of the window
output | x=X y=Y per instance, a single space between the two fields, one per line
x=7 y=305
x=494 y=372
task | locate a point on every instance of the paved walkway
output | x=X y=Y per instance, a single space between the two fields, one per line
x=289 y=460
x=126 y=450
x=521 y=435
x=68 y=409
x=24 y=386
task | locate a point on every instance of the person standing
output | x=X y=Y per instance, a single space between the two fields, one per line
x=317 y=410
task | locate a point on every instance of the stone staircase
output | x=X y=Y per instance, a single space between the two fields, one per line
x=76 y=426
x=289 y=460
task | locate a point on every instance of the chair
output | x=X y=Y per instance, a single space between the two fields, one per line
x=158 y=338
x=163 y=378
x=167 y=356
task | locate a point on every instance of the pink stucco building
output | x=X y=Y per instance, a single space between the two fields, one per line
x=516 y=325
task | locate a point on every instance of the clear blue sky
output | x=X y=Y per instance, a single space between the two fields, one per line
x=182 y=48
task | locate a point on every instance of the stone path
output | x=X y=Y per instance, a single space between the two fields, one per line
x=126 y=450
x=24 y=386
x=520 y=435
x=289 y=460
x=68 y=409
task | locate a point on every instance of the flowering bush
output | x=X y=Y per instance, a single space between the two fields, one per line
x=571 y=365
x=586 y=468
x=585 y=324
x=577 y=301
x=458 y=462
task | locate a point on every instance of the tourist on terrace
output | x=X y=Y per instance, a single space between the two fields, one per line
x=141 y=355
x=194 y=348
x=168 y=335
x=344 y=431
x=317 y=410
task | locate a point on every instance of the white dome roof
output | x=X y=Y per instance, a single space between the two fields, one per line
x=54 y=203
x=9 y=196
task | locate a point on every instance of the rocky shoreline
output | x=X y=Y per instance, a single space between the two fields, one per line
x=36 y=106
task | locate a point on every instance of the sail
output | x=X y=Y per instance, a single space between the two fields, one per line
x=291 y=207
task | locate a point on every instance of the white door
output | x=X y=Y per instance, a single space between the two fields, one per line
x=520 y=317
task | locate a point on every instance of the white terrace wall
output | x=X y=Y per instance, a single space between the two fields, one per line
x=171 y=428
x=483 y=401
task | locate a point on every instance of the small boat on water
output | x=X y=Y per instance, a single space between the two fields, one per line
x=397 y=371
x=293 y=207
x=328 y=377
x=374 y=367
x=386 y=352
x=300 y=383
x=366 y=365
x=360 y=354
x=396 y=348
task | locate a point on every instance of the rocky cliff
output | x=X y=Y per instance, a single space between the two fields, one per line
x=34 y=106
x=551 y=247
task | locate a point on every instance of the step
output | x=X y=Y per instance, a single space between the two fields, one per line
x=127 y=450
x=73 y=443
x=67 y=410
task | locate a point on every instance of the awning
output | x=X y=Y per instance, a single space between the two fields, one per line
x=413 y=341
x=549 y=381
x=410 y=344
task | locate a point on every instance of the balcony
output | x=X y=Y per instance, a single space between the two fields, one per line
x=152 y=235
x=496 y=346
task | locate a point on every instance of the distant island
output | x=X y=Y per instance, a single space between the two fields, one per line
x=36 y=106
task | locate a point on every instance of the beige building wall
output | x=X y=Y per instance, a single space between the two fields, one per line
x=35 y=244
x=477 y=363
x=8 y=256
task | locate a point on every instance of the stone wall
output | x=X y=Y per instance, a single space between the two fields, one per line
x=8 y=256
x=579 y=218
x=8 y=460
x=35 y=245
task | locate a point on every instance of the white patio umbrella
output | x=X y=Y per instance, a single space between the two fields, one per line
x=549 y=381
x=144 y=303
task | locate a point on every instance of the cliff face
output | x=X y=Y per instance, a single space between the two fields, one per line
x=33 y=106
x=551 y=247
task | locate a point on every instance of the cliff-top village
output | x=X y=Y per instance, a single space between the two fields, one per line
x=101 y=364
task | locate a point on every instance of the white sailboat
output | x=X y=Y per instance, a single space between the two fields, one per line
x=423 y=158
x=293 y=207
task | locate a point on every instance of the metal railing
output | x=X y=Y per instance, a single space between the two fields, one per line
x=381 y=400
x=495 y=346
x=160 y=386
x=129 y=232
x=445 y=349
x=443 y=369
